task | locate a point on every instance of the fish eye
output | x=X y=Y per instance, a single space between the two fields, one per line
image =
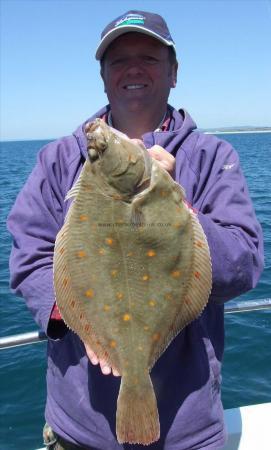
x=93 y=154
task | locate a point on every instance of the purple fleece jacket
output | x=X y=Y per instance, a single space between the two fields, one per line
x=81 y=401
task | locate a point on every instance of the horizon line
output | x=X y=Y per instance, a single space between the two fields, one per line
x=226 y=130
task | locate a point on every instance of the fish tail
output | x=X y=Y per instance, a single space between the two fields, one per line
x=137 y=414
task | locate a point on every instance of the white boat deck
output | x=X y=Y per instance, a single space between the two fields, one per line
x=249 y=427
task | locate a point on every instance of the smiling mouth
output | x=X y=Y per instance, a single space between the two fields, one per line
x=131 y=87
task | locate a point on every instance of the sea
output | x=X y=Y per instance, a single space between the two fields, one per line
x=247 y=360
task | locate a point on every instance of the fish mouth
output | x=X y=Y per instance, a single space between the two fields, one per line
x=134 y=86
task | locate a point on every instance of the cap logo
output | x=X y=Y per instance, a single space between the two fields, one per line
x=131 y=19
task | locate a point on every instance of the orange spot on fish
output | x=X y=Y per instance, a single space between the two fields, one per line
x=81 y=254
x=145 y=277
x=106 y=308
x=126 y=317
x=163 y=193
x=83 y=218
x=146 y=327
x=197 y=275
x=168 y=296
x=61 y=251
x=151 y=253
x=199 y=244
x=176 y=273
x=113 y=344
x=89 y=293
x=130 y=254
x=114 y=273
x=177 y=225
x=109 y=241
x=152 y=302
x=117 y=197
x=72 y=303
x=187 y=301
x=65 y=282
x=156 y=337
x=87 y=327
x=101 y=251
x=119 y=295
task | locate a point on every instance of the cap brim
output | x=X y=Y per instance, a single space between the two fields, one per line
x=116 y=32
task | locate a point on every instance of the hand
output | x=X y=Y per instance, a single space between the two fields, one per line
x=164 y=158
x=106 y=370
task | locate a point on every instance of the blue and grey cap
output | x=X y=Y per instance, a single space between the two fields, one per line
x=137 y=21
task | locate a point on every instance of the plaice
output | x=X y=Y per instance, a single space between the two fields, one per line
x=131 y=269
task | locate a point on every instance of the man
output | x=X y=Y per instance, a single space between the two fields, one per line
x=139 y=67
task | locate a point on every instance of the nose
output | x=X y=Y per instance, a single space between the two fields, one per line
x=134 y=66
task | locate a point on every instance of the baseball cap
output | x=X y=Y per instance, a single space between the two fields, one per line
x=138 y=21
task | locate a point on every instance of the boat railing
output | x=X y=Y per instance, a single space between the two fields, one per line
x=33 y=337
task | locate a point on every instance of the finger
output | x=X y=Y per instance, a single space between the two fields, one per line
x=160 y=153
x=163 y=158
x=106 y=370
x=165 y=165
x=91 y=355
x=156 y=154
x=138 y=142
x=115 y=372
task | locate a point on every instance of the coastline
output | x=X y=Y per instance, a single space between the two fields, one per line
x=237 y=132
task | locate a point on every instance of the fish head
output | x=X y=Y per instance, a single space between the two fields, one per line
x=124 y=163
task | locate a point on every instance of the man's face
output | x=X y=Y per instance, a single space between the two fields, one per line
x=137 y=73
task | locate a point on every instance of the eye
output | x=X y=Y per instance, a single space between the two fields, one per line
x=117 y=61
x=148 y=59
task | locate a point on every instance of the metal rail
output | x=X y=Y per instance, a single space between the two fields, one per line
x=249 y=305
x=22 y=339
x=39 y=336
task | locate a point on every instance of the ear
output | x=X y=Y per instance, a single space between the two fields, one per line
x=174 y=71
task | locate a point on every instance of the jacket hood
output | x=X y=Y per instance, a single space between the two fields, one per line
x=180 y=127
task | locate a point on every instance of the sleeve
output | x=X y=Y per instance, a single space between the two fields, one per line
x=34 y=222
x=227 y=216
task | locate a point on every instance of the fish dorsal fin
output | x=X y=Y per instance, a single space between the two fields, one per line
x=199 y=286
x=71 y=309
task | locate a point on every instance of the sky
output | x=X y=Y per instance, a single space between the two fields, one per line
x=50 y=80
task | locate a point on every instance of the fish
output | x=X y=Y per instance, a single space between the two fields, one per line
x=132 y=268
